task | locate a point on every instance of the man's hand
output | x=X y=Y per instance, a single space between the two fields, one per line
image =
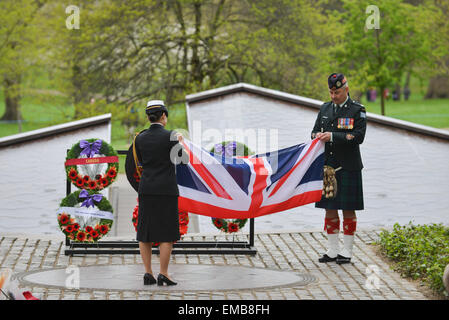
x=324 y=136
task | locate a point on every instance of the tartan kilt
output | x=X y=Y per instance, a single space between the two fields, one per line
x=349 y=192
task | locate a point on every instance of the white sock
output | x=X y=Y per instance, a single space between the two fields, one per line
x=332 y=245
x=348 y=242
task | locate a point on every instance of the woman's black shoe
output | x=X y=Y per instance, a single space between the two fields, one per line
x=161 y=279
x=148 y=279
x=325 y=259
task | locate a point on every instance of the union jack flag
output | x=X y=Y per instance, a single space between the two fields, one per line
x=251 y=186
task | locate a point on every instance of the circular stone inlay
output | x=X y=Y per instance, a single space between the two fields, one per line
x=190 y=277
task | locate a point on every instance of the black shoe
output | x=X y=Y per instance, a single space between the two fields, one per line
x=325 y=258
x=161 y=279
x=343 y=260
x=148 y=279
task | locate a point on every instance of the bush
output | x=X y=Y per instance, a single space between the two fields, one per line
x=419 y=252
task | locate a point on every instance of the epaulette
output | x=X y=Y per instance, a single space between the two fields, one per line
x=358 y=104
x=324 y=105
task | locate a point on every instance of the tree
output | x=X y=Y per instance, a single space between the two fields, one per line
x=439 y=35
x=18 y=34
x=141 y=48
x=291 y=49
x=150 y=48
x=379 y=57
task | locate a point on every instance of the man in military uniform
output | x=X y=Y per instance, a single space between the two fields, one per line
x=341 y=124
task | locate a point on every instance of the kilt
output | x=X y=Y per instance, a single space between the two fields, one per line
x=349 y=192
x=158 y=219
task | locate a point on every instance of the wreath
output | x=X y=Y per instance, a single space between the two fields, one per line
x=85 y=216
x=229 y=226
x=183 y=221
x=92 y=164
x=230 y=149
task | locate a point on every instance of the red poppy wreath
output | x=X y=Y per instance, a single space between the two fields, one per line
x=85 y=216
x=229 y=226
x=92 y=164
x=183 y=221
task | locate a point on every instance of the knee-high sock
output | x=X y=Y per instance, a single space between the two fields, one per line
x=349 y=228
x=332 y=228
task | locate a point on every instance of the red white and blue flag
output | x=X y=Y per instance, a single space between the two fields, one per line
x=252 y=186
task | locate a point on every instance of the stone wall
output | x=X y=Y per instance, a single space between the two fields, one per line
x=405 y=176
x=33 y=179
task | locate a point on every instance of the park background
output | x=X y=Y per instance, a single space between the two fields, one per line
x=55 y=68
x=122 y=53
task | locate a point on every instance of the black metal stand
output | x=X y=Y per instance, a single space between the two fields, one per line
x=180 y=247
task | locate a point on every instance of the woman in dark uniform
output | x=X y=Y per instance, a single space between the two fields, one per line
x=158 y=192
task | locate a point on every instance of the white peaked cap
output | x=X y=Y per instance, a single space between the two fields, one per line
x=155 y=103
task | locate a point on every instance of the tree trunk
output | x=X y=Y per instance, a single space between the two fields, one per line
x=196 y=64
x=382 y=101
x=407 y=86
x=397 y=88
x=79 y=94
x=438 y=87
x=12 y=98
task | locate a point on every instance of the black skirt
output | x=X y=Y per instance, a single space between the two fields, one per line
x=349 y=192
x=158 y=219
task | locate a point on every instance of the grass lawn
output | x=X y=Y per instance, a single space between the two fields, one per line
x=429 y=112
x=433 y=112
x=38 y=111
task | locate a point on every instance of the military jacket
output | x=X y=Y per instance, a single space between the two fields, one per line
x=153 y=148
x=348 y=127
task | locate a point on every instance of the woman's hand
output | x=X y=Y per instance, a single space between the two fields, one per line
x=179 y=137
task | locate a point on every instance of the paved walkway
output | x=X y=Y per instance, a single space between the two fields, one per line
x=368 y=277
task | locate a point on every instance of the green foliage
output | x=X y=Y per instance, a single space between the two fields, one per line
x=290 y=45
x=379 y=57
x=437 y=35
x=127 y=52
x=419 y=252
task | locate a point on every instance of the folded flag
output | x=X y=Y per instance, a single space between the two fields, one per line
x=251 y=186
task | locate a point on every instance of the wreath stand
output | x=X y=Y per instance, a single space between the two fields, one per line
x=180 y=247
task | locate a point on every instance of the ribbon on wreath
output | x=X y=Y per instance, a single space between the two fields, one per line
x=81 y=161
x=90 y=149
x=89 y=202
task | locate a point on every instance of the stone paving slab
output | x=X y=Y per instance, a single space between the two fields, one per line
x=191 y=277
x=367 y=278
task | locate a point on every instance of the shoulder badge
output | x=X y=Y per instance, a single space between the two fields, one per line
x=362 y=112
